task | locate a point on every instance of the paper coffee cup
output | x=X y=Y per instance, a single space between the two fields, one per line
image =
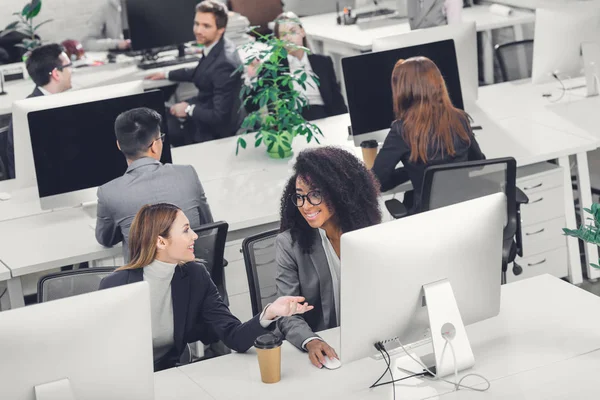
x=369 y=152
x=268 y=349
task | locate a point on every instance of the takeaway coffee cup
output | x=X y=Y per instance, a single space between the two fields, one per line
x=369 y=152
x=268 y=348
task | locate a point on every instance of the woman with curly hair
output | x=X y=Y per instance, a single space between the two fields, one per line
x=331 y=192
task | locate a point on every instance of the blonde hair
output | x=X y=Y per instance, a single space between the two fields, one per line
x=149 y=223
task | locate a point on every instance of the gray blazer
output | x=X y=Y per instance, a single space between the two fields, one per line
x=147 y=181
x=307 y=275
x=106 y=27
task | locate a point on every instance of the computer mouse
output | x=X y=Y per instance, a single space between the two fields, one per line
x=332 y=363
x=5 y=196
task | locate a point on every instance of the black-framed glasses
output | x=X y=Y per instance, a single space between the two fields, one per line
x=314 y=197
x=161 y=138
x=61 y=67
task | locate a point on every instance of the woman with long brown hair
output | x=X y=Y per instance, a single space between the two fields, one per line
x=428 y=129
x=184 y=303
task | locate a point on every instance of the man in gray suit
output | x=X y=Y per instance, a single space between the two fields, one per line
x=106 y=28
x=146 y=181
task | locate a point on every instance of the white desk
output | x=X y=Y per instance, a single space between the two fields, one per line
x=65 y=237
x=4 y=273
x=172 y=384
x=337 y=41
x=543 y=322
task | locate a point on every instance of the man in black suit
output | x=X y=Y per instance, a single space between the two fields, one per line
x=215 y=112
x=50 y=69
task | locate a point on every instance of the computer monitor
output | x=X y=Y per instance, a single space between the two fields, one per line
x=386 y=267
x=100 y=343
x=559 y=33
x=369 y=90
x=465 y=43
x=75 y=151
x=155 y=24
x=24 y=167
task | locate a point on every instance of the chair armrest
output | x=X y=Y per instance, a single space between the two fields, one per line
x=225 y=263
x=521 y=197
x=396 y=208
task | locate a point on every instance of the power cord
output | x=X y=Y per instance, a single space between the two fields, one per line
x=381 y=348
x=457 y=385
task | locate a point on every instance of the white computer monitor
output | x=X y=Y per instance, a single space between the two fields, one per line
x=101 y=342
x=386 y=267
x=559 y=33
x=465 y=42
x=24 y=166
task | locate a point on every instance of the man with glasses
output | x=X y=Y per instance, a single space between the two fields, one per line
x=50 y=70
x=146 y=181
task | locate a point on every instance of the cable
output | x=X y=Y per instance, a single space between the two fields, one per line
x=458 y=384
x=3 y=293
x=389 y=369
x=378 y=346
x=563 y=90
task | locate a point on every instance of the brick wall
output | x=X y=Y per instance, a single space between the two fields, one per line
x=70 y=17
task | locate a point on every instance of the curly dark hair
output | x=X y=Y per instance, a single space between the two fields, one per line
x=347 y=186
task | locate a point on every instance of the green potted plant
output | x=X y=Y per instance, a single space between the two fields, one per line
x=25 y=26
x=277 y=116
x=588 y=232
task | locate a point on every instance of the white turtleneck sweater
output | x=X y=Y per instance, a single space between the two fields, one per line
x=159 y=275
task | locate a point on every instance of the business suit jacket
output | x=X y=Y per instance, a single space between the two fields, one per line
x=308 y=275
x=329 y=88
x=147 y=181
x=10 y=141
x=217 y=112
x=106 y=27
x=198 y=311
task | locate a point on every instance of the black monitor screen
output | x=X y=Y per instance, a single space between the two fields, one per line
x=160 y=23
x=368 y=82
x=75 y=147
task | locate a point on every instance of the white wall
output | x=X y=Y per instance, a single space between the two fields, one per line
x=70 y=17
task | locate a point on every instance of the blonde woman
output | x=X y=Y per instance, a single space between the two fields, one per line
x=184 y=302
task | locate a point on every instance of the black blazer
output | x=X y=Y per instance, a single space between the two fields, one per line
x=395 y=149
x=329 y=88
x=198 y=312
x=217 y=113
x=10 y=141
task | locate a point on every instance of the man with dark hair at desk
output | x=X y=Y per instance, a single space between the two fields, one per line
x=146 y=181
x=215 y=112
x=430 y=13
x=50 y=70
x=106 y=28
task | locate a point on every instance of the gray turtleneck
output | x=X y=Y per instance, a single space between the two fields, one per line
x=159 y=275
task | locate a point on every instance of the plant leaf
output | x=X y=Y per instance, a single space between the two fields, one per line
x=35 y=28
x=258 y=142
x=281 y=152
x=36 y=6
x=242 y=143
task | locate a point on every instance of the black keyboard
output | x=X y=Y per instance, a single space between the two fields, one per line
x=377 y=13
x=168 y=63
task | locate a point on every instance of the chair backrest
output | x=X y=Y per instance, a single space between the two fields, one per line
x=210 y=247
x=449 y=184
x=71 y=283
x=261 y=269
x=258 y=12
x=515 y=59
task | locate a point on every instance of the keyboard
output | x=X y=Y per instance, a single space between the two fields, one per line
x=167 y=63
x=377 y=13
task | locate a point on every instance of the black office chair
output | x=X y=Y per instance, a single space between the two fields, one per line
x=210 y=248
x=70 y=283
x=261 y=269
x=449 y=184
x=508 y=58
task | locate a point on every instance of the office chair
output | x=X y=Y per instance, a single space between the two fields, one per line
x=448 y=184
x=210 y=248
x=70 y=283
x=258 y=12
x=508 y=54
x=261 y=269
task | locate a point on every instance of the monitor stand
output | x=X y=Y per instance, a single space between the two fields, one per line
x=447 y=328
x=591 y=65
x=57 y=390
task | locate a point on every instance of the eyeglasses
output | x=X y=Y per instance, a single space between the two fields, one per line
x=61 y=67
x=161 y=138
x=314 y=197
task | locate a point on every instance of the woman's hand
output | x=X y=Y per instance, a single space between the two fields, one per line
x=285 y=306
x=317 y=350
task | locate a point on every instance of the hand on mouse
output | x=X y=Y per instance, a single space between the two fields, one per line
x=316 y=348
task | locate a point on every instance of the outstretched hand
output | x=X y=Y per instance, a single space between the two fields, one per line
x=286 y=306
